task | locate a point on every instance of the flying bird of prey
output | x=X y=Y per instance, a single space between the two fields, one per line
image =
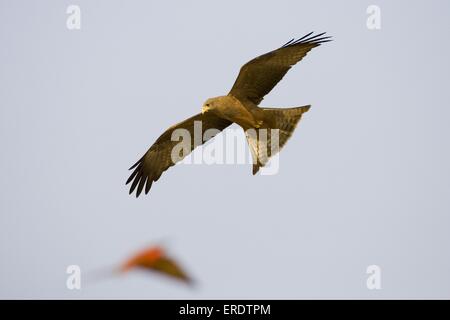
x=241 y=105
x=155 y=259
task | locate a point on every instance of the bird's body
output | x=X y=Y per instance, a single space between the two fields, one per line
x=244 y=113
x=241 y=106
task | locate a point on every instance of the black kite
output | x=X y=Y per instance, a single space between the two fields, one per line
x=256 y=79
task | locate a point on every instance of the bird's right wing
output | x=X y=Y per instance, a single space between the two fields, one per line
x=260 y=75
x=170 y=268
x=161 y=154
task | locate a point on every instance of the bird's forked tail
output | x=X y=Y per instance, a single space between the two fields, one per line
x=277 y=128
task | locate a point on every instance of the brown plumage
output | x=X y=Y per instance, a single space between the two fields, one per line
x=158 y=158
x=256 y=79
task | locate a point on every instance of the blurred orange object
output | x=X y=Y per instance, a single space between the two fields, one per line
x=155 y=259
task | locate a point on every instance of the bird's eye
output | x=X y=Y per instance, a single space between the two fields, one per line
x=207 y=104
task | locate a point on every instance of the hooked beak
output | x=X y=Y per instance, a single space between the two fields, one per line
x=205 y=109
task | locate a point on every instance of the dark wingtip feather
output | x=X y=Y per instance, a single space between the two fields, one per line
x=140 y=180
x=305 y=36
x=309 y=39
x=287 y=43
x=141 y=186
x=131 y=177
x=148 y=185
x=134 y=165
x=135 y=182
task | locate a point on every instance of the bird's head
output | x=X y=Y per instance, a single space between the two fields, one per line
x=208 y=105
x=214 y=104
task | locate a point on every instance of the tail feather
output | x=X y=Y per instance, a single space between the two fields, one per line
x=280 y=124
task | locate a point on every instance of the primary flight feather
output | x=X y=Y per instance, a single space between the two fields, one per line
x=241 y=105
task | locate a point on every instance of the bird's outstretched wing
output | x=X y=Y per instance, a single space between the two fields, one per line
x=170 y=268
x=159 y=157
x=155 y=259
x=260 y=75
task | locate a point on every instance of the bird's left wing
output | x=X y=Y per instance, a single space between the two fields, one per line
x=260 y=75
x=159 y=157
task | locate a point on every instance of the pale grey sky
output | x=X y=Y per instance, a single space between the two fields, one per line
x=364 y=180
